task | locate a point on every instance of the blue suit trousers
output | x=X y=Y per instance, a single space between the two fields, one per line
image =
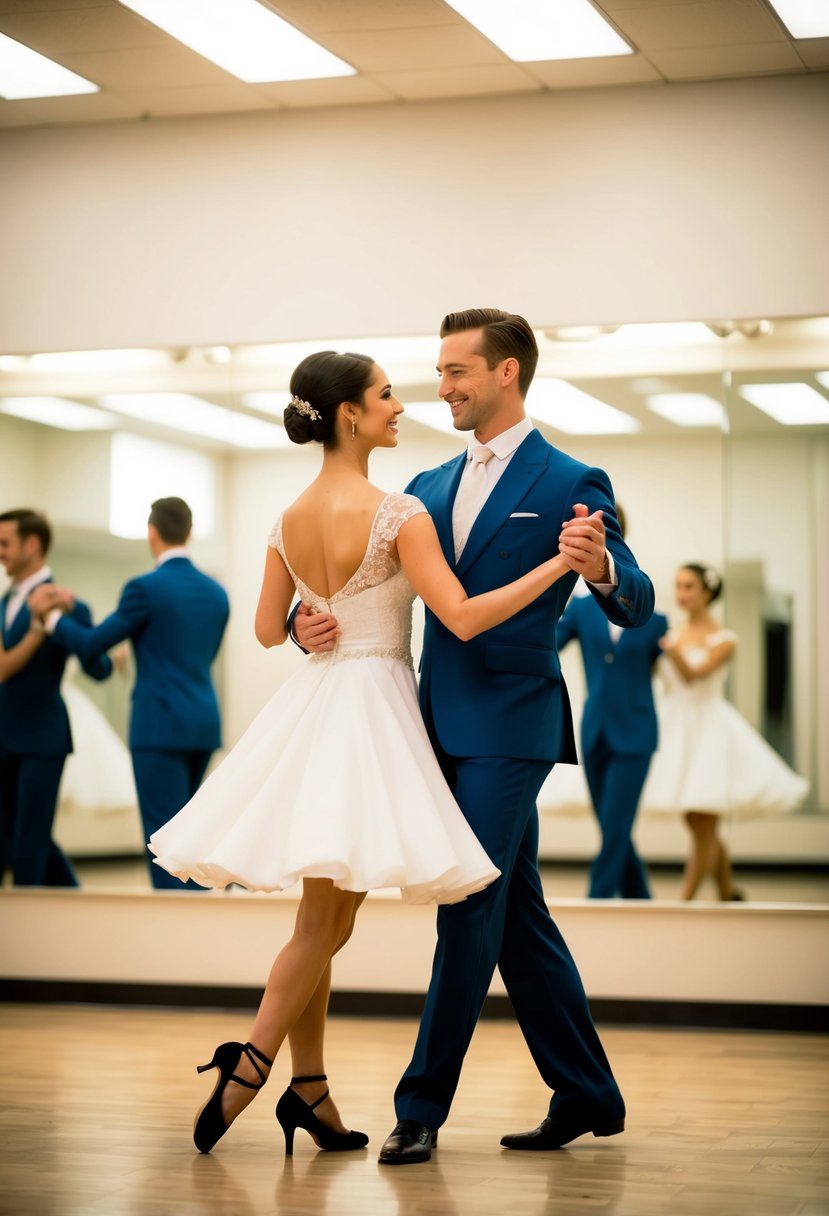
x=508 y=925
x=165 y=781
x=29 y=786
x=615 y=781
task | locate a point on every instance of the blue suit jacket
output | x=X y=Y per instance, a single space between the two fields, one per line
x=502 y=693
x=33 y=717
x=619 y=709
x=175 y=617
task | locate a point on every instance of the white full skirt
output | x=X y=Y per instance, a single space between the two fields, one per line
x=335 y=778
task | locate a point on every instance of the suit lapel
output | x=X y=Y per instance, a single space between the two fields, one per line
x=3 y=604
x=525 y=467
x=441 y=502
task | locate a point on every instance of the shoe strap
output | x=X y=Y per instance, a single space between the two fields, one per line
x=299 y=1080
x=250 y=1051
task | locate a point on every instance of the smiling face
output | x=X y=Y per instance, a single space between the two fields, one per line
x=19 y=557
x=377 y=419
x=482 y=399
x=691 y=593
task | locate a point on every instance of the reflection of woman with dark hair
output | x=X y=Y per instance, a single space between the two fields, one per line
x=335 y=783
x=710 y=762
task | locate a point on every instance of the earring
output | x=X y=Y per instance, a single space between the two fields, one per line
x=353 y=429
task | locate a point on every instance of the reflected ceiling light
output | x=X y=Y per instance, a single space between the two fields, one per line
x=25 y=73
x=56 y=411
x=95 y=360
x=687 y=409
x=243 y=37
x=434 y=414
x=183 y=412
x=822 y=378
x=414 y=349
x=669 y=333
x=569 y=409
x=528 y=30
x=578 y=333
x=791 y=404
x=761 y=328
x=803 y=18
x=266 y=402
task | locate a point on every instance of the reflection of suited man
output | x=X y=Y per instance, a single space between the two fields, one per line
x=35 y=737
x=175 y=617
x=498 y=716
x=618 y=733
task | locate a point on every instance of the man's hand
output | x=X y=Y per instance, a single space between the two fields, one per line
x=582 y=545
x=315 y=631
x=47 y=596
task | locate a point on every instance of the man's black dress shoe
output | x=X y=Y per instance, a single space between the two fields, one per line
x=408 y=1144
x=556 y=1132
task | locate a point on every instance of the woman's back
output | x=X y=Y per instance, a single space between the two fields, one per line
x=326 y=534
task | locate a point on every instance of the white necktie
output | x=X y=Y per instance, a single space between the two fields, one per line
x=470 y=496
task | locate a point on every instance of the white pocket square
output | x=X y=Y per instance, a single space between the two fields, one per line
x=524 y=515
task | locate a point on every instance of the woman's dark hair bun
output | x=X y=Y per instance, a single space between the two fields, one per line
x=318 y=385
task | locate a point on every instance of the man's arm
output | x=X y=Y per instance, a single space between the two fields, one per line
x=89 y=641
x=99 y=666
x=312 y=632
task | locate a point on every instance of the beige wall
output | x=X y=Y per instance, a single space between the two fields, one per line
x=640 y=203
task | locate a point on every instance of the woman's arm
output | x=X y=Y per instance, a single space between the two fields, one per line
x=426 y=569
x=14 y=660
x=717 y=655
x=274 y=601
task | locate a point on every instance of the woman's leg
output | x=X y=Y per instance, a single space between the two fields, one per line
x=722 y=869
x=324 y=921
x=702 y=858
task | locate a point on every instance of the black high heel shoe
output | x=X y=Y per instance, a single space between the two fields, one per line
x=292 y=1113
x=209 y=1126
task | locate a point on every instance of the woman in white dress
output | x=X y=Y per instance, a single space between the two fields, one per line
x=710 y=763
x=335 y=782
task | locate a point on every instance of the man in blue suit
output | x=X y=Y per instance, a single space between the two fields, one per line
x=35 y=736
x=499 y=717
x=175 y=618
x=618 y=733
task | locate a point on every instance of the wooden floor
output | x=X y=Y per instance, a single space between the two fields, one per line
x=97 y=1107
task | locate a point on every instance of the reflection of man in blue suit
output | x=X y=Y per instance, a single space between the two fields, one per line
x=498 y=717
x=618 y=733
x=175 y=617
x=35 y=736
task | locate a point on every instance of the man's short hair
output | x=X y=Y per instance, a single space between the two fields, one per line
x=505 y=336
x=172 y=519
x=29 y=523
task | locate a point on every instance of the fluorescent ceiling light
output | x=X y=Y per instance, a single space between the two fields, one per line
x=668 y=333
x=55 y=411
x=822 y=378
x=804 y=18
x=529 y=30
x=243 y=37
x=266 y=402
x=792 y=404
x=687 y=409
x=434 y=414
x=183 y=412
x=25 y=73
x=569 y=409
x=94 y=360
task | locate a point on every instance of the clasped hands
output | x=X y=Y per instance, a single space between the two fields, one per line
x=581 y=543
x=47 y=596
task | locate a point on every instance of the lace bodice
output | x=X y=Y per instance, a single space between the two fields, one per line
x=374 y=608
x=710 y=686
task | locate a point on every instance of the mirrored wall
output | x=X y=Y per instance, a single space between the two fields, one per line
x=715 y=436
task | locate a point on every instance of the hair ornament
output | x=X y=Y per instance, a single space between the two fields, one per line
x=305 y=408
x=711 y=579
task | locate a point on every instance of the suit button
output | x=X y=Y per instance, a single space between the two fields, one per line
x=504 y=553
x=608 y=658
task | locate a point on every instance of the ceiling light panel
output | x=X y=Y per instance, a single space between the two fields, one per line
x=57 y=412
x=534 y=30
x=192 y=415
x=687 y=409
x=569 y=409
x=790 y=404
x=25 y=73
x=244 y=38
x=803 y=18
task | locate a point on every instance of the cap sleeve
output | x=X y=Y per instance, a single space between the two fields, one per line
x=398 y=509
x=275 y=537
x=722 y=635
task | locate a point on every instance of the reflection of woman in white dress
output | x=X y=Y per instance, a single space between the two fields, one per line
x=97 y=776
x=335 y=782
x=710 y=762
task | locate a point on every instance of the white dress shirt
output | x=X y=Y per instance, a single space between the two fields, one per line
x=503 y=448
x=20 y=592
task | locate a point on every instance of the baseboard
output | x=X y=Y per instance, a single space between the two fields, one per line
x=722 y=1015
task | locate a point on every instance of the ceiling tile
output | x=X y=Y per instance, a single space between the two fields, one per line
x=15 y=114
x=338 y=91
x=49 y=6
x=589 y=73
x=197 y=99
x=170 y=66
x=813 y=51
x=448 y=46
x=702 y=63
x=697 y=23
x=461 y=82
x=82 y=108
x=323 y=16
x=98 y=29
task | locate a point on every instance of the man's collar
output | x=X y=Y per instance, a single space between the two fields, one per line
x=28 y=584
x=175 y=551
x=507 y=442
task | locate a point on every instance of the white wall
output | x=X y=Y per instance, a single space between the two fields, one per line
x=640 y=203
